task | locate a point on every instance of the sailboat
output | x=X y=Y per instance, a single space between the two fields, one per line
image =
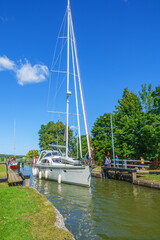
x=53 y=164
x=12 y=163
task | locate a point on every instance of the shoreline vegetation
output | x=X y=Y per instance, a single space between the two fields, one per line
x=27 y=214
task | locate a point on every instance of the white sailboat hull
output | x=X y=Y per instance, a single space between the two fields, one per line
x=77 y=175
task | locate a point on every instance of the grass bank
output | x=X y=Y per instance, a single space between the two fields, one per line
x=149 y=177
x=3 y=172
x=26 y=214
x=97 y=169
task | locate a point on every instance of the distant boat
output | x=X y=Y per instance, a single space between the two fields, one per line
x=14 y=165
x=53 y=164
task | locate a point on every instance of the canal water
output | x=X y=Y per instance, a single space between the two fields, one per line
x=108 y=210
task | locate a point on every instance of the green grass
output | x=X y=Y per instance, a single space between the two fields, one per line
x=154 y=170
x=3 y=173
x=25 y=215
x=150 y=177
x=97 y=169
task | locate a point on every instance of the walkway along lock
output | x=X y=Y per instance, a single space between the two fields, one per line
x=128 y=163
x=125 y=170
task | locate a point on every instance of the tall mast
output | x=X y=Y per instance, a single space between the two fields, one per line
x=68 y=92
x=81 y=93
x=14 y=138
x=75 y=85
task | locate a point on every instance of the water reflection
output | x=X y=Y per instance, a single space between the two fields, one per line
x=74 y=203
x=108 y=210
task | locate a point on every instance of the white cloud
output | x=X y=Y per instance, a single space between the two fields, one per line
x=25 y=73
x=31 y=74
x=6 y=64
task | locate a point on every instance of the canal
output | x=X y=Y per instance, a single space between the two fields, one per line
x=108 y=210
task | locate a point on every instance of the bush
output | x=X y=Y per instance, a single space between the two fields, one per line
x=100 y=162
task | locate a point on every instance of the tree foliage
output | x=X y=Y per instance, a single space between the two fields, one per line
x=101 y=133
x=156 y=101
x=136 y=129
x=31 y=154
x=147 y=97
x=136 y=126
x=128 y=117
x=54 y=133
x=84 y=145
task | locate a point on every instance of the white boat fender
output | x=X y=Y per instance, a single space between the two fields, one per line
x=46 y=174
x=34 y=171
x=59 y=178
x=40 y=175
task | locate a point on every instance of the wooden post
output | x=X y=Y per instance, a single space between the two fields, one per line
x=134 y=176
x=106 y=174
x=19 y=166
x=115 y=175
x=7 y=171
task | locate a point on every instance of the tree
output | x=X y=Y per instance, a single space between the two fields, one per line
x=31 y=154
x=156 y=101
x=84 y=145
x=128 y=117
x=149 y=141
x=101 y=137
x=150 y=131
x=42 y=134
x=136 y=127
x=54 y=133
x=147 y=97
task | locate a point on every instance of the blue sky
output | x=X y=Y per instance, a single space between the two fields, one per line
x=118 y=45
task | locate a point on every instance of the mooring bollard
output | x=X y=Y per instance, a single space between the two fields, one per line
x=27 y=180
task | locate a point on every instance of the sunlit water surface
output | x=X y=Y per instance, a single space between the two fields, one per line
x=108 y=210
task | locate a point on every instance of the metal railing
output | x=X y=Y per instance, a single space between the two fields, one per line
x=128 y=163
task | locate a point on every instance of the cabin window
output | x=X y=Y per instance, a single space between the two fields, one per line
x=45 y=161
x=56 y=160
x=48 y=155
x=56 y=154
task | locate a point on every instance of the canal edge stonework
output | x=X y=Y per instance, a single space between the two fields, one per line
x=128 y=178
x=59 y=218
x=146 y=183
